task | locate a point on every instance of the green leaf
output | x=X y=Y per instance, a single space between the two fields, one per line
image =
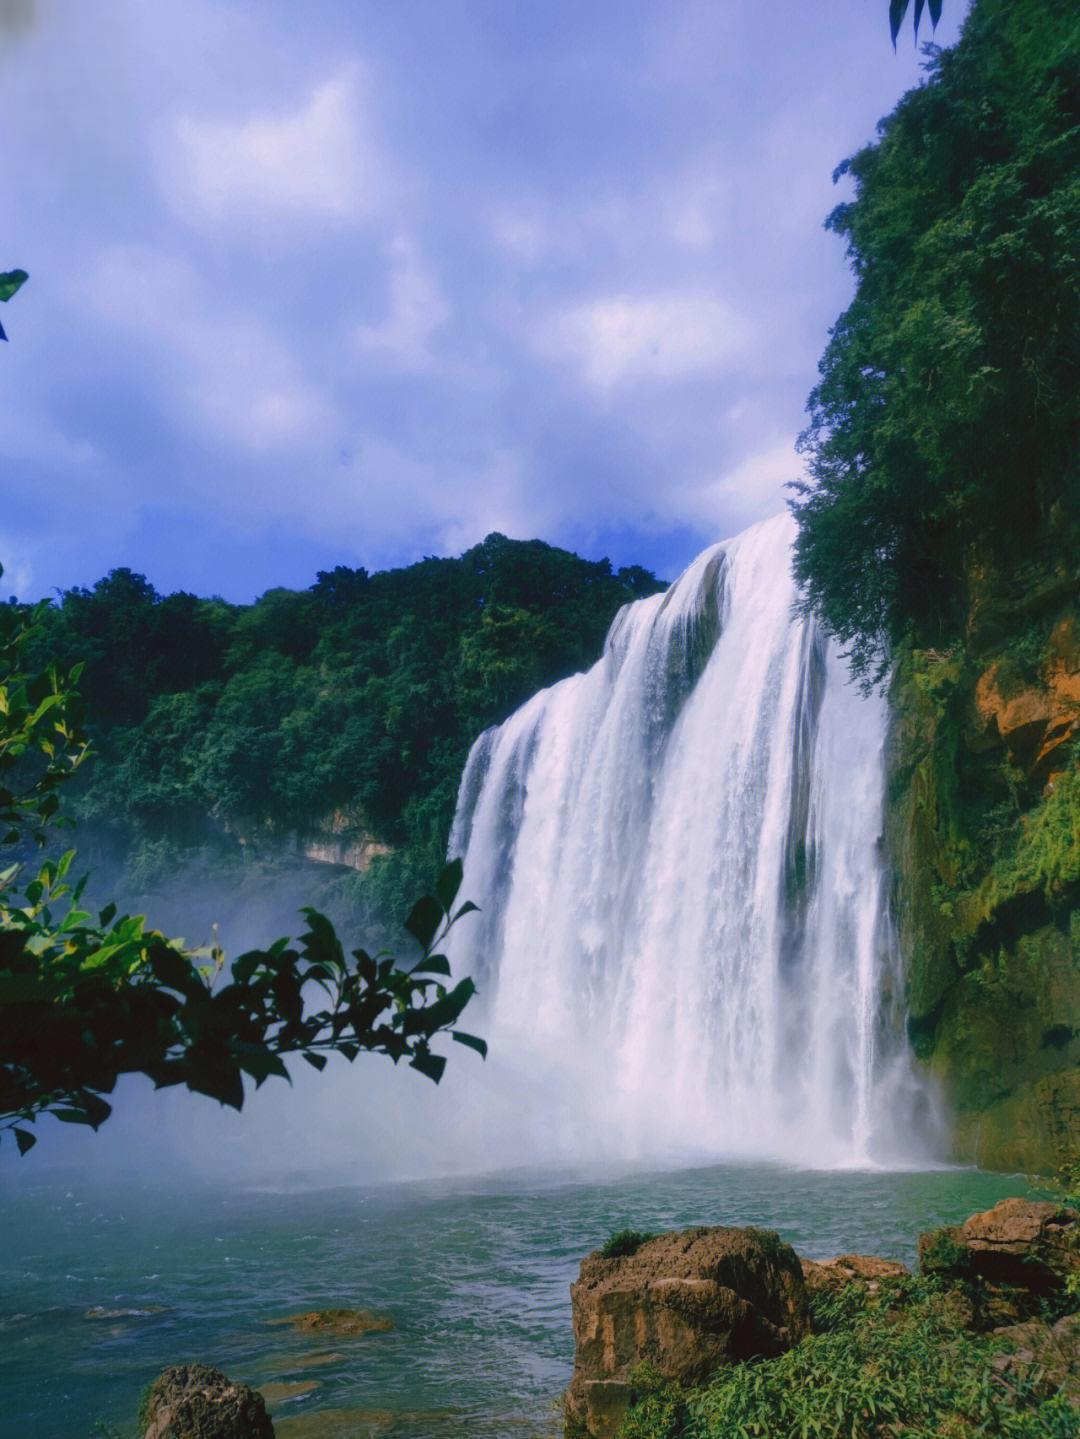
x=433 y=964
x=467 y=908
x=25 y=1140
x=471 y=1042
x=448 y=884
x=447 y=1009
x=11 y=281
x=222 y=1082
x=425 y=919
x=427 y=1063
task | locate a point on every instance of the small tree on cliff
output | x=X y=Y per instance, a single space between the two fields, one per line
x=85 y=998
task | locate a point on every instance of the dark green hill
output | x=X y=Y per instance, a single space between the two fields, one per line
x=334 y=720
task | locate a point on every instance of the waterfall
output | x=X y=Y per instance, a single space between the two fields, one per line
x=684 y=934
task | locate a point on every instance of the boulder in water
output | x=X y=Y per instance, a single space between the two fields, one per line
x=684 y=1302
x=193 y=1401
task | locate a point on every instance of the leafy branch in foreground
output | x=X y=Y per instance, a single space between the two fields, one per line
x=86 y=998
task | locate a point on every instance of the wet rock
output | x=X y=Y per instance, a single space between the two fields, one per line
x=281 y=1391
x=193 y=1401
x=686 y=1302
x=343 y=1323
x=338 y=1424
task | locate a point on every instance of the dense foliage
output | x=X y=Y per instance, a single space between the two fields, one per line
x=894 y=1361
x=357 y=698
x=944 y=424
x=87 y=998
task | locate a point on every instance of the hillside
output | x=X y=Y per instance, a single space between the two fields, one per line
x=331 y=723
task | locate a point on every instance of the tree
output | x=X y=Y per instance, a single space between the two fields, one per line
x=944 y=422
x=87 y=998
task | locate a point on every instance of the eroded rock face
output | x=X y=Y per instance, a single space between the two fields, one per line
x=1021 y=1252
x=193 y=1401
x=685 y=1302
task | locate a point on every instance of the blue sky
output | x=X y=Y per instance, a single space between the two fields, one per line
x=351 y=282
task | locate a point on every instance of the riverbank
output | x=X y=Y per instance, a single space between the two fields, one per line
x=474 y=1273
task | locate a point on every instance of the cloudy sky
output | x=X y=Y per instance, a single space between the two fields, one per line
x=353 y=281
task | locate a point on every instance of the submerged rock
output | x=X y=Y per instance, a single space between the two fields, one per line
x=340 y=1322
x=280 y=1391
x=685 y=1302
x=193 y=1401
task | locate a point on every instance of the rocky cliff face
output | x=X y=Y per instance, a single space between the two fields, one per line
x=985 y=833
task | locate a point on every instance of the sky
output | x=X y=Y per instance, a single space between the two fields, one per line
x=353 y=282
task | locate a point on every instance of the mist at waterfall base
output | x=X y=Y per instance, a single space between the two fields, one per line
x=683 y=952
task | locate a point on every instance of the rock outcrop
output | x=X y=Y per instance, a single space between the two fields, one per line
x=824 y=1276
x=1015 y=1259
x=193 y=1401
x=684 y=1302
x=983 y=830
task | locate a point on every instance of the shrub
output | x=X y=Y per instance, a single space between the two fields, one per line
x=624 y=1242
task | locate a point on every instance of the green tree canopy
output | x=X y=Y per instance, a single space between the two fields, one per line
x=944 y=423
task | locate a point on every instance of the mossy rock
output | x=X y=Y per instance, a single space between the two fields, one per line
x=194 y=1401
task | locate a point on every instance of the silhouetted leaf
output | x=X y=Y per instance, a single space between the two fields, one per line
x=433 y=964
x=430 y=1064
x=25 y=1140
x=897 y=11
x=471 y=1042
x=424 y=920
x=317 y=1061
x=448 y=884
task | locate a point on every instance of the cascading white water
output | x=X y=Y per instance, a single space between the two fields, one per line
x=677 y=856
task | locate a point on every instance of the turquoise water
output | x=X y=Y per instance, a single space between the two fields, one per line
x=475 y=1275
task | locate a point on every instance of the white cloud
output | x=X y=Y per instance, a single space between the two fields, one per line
x=417 y=310
x=524 y=238
x=752 y=490
x=227 y=373
x=317 y=162
x=623 y=338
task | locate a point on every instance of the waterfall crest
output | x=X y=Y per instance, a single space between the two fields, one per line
x=677 y=856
